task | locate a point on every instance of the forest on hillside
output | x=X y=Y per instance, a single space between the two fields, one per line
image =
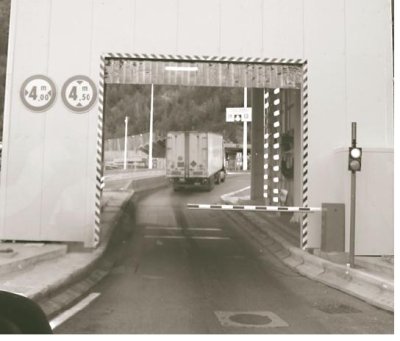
x=4 y=22
x=175 y=108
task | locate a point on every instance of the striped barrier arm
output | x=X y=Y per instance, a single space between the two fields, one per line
x=253 y=208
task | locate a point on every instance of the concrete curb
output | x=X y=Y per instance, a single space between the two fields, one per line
x=97 y=267
x=367 y=287
x=92 y=258
x=49 y=252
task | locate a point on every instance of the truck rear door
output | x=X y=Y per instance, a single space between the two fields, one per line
x=197 y=155
x=175 y=154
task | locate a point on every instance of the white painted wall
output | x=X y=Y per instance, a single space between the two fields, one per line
x=48 y=173
x=374 y=191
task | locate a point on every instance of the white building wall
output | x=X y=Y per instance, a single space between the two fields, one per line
x=50 y=157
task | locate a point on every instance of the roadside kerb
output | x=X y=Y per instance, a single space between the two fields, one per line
x=109 y=221
x=20 y=257
x=116 y=206
x=370 y=288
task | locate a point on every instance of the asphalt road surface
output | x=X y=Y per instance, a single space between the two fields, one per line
x=191 y=272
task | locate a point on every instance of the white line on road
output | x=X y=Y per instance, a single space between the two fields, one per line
x=231 y=194
x=64 y=316
x=237 y=173
x=166 y=228
x=186 y=237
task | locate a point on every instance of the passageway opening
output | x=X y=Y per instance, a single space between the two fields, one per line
x=278 y=94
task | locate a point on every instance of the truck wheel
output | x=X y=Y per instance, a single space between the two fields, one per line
x=218 y=178
x=211 y=183
x=223 y=176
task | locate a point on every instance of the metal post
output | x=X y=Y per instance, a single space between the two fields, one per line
x=126 y=142
x=352 y=218
x=257 y=146
x=245 y=133
x=151 y=129
x=353 y=200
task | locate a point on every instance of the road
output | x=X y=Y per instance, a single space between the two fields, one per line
x=188 y=272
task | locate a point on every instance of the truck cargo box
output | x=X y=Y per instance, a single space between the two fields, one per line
x=194 y=154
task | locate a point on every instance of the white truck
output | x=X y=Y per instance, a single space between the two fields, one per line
x=195 y=159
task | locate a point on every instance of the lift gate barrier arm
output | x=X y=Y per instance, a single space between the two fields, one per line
x=253 y=208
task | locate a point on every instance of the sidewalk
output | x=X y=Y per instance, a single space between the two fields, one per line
x=39 y=270
x=372 y=278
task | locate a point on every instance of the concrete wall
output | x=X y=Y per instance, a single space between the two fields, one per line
x=48 y=173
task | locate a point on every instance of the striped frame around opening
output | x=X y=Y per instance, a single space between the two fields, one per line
x=177 y=58
x=99 y=155
x=304 y=222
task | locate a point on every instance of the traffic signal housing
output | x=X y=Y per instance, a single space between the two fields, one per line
x=355 y=154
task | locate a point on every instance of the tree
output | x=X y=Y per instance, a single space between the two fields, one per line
x=175 y=108
x=4 y=23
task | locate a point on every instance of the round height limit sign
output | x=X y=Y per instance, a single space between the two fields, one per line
x=79 y=93
x=38 y=93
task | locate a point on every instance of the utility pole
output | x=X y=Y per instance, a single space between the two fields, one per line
x=126 y=142
x=151 y=129
x=245 y=134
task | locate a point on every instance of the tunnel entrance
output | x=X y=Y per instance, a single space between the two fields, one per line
x=282 y=110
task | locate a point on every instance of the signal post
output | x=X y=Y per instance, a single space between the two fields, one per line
x=354 y=166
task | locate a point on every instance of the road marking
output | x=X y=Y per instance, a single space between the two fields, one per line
x=231 y=194
x=181 y=228
x=186 y=237
x=67 y=314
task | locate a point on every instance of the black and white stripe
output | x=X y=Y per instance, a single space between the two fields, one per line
x=253 y=208
x=304 y=224
x=275 y=114
x=143 y=56
x=99 y=155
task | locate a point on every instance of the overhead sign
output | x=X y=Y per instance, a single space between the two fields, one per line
x=238 y=114
x=38 y=93
x=79 y=93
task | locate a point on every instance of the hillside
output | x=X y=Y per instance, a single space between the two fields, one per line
x=4 y=21
x=175 y=108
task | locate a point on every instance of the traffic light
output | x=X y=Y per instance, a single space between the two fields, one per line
x=355 y=159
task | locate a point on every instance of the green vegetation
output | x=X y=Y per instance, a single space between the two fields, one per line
x=4 y=21
x=175 y=108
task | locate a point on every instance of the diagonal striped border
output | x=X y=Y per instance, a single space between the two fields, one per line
x=142 y=56
x=304 y=223
x=99 y=155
